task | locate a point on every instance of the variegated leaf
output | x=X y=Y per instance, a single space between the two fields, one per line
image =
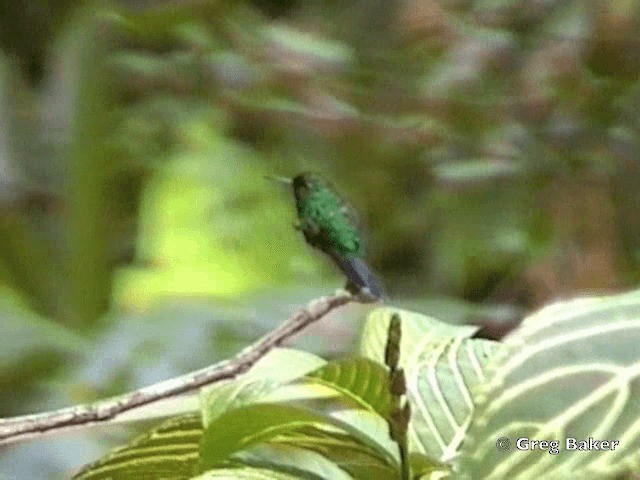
x=574 y=373
x=169 y=451
x=417 y=331
x=440 y=388
x=442 y=367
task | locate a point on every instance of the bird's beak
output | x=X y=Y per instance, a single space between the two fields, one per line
x=285 y=180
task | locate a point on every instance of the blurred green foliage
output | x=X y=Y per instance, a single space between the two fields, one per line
x=492 y=148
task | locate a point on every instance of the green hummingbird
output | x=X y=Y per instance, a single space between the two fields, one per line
x=329 y=224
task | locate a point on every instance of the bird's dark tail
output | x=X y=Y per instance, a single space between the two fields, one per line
x=359 y=274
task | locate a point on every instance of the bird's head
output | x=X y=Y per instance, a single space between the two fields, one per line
x=302 y=184
x=305 y=183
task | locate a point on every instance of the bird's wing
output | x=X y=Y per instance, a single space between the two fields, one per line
x=313 y=233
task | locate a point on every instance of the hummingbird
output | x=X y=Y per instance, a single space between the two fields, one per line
x=329 y=224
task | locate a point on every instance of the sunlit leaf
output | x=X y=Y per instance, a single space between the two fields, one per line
x=169 y=452
x=440 y=387
x=352 y=456
x=337 y=403
x=245 y=473
x=284 y=365
x=360 y=379
x=280 y=457
x=335 y=392
x=273 y=370
x=259 y=423
x=574 y=373
x=442 y=368
x=417 y=331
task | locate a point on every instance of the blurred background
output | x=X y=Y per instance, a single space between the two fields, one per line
x=492 y=148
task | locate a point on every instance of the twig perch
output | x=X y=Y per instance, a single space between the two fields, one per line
x=29 y=426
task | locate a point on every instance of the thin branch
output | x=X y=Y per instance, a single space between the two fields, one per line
x=29 y=426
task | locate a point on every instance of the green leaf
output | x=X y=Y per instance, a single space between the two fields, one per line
x=245 y=473
x=284 y=365
x=328 y=415
x=574 y=372
x=417 y=331
x=232 y=395
x=278 y=367
x=169 y=452
x=172 y=448
x=329 y=412
x=359 y=460
x=440 y=388
x=280 y=457
x=360 y=379
x=442 y=368
x=352 y=411
x=253 y=424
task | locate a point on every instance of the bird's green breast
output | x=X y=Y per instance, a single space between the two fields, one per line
x=326 y=216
